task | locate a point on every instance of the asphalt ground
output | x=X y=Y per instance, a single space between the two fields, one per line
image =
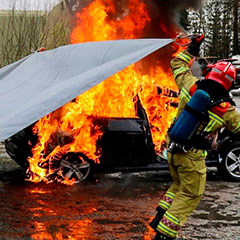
x=113 y=206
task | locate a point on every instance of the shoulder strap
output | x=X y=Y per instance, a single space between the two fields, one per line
x=203 y=116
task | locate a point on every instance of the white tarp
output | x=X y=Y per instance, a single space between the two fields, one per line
x=42 y=82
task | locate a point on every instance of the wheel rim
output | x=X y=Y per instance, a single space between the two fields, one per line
x=74 y=167
x=232 y=162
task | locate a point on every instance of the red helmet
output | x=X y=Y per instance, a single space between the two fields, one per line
x=223 y=73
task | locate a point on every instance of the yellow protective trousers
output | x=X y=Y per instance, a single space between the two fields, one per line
x=188 y=171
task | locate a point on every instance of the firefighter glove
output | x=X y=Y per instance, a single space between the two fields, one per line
x=195 y=44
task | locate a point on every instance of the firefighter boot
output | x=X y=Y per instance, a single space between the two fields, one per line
x=160 y=236
x=154 y=223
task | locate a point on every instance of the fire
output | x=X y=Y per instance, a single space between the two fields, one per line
x=100 y=21
x=77 y=126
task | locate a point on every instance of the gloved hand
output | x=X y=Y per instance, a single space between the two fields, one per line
x=195 y=44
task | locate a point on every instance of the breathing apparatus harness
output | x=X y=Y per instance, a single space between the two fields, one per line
x=188 y=130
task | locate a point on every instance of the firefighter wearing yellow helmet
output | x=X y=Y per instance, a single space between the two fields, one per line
x=187 y=163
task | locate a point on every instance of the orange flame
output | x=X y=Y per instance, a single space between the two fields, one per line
x=77 y=126
x=95 y=23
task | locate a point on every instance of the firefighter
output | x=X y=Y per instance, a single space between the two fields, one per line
x=187 y=165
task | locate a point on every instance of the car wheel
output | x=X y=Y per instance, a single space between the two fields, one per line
x=76 y=167
x=229 y=167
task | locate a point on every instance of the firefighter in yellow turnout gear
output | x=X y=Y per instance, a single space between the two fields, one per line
x=188 y=168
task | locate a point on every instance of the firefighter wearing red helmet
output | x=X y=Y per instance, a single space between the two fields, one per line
x=187 y=165
x=223 y=73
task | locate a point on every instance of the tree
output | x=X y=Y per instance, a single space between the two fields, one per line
x=24 y=31
x=219 y=20
x=183 y=19
x=235 y=26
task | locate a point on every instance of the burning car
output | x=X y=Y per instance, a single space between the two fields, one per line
x=126 y=146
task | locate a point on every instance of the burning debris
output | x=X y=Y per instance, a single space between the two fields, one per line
x=73 y=128
x=59 y=138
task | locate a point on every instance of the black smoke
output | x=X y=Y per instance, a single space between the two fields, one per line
x=181 y=3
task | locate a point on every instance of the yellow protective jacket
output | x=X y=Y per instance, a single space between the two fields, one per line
x=223 y=115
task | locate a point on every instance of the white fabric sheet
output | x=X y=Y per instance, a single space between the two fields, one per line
x=42 y=82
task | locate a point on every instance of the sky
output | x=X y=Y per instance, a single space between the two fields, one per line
x=29 y=4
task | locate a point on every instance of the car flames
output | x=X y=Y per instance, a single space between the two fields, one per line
x=75 y=126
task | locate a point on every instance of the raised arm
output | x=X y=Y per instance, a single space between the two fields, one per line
x=180 y=64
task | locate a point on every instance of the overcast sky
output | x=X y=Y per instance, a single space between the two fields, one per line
x=30 y=4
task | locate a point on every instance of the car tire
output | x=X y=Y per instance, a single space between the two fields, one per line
x=77 y=166
x=229 y=167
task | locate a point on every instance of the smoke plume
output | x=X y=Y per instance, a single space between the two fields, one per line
x=181 y=3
